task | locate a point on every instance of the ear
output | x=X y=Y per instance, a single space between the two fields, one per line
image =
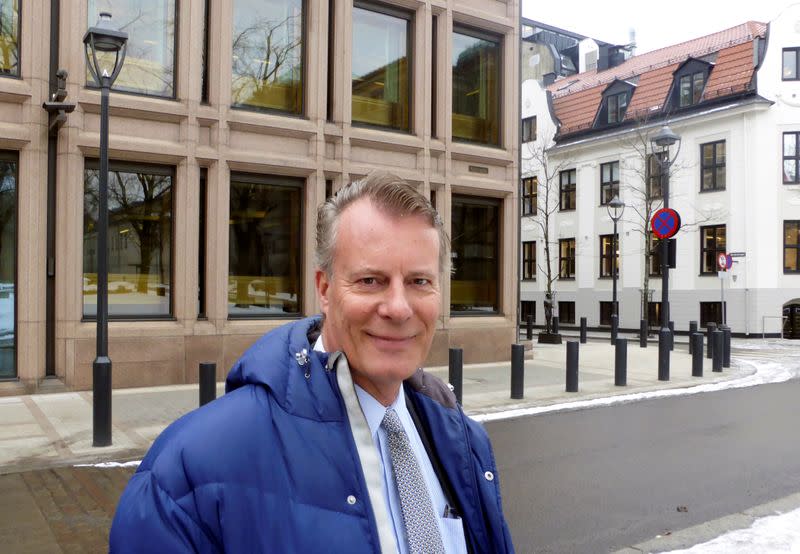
x=322 y=286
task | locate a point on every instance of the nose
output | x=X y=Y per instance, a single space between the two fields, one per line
x=395 y=304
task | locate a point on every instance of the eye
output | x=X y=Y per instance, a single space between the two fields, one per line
x=422 y=282
x=368 y=280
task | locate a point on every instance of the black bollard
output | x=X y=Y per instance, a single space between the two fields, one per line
x=621 y=362
x=696 y=343
x=614 y=328
x=716 y=338
x=710 y=328
x=692 y=329
x=455 y=372
x=572 y=366
x=643 y=333
x=529 y=327
x=663 y=354
x=726 y=347
x=208 y=382
x=583 y=330
x=517 y=371
x=555 y=325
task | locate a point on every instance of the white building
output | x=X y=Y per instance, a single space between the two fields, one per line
x=733 y=98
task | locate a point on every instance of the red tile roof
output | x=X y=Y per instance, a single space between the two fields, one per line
x=576 y=98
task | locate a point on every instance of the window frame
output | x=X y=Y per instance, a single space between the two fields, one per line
x=610 y=184
x=202 y=289
x=398 y=13
x=529 y=129
x=522 y=312
x=796 y=51
x=606 y=258
x=530 y=196
x=795 y=246
x=566 y=306
x=12 y=156
x=714 y=166
x=569 y=260
x=529 y=260
x=619 y=110
x=606 y=306
x=653 y=174
x=18 y=74
x=795 y=157
x=713 y=306
x=717 y=251
x=655 y=250
x=696 y=96
x=154 y=169
x=568 y=189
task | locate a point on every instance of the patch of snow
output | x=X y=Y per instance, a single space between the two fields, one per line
x=108 y=465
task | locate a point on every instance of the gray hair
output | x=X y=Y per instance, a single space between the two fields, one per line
x=390 y=194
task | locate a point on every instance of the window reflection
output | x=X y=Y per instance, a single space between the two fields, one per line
x=149 y=66
x=268 y=54
x=475 y=255
x=9 y=37
x=265 y=247
x=139 y=240
x=476 y=88
x=8 y=262
x=380 y=69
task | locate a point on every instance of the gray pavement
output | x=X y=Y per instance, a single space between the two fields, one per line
x=49 y=430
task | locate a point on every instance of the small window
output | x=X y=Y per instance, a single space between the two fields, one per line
x=790 y=64
x=530 y=189
x=609 y=259
x=567 y=185
x=566 y=258
x=710 y=312
x=712 y=244
x=654 y=314
x=529 y=129
x=204 y=73
x=617 y=104
x=791 y=157
x=606 y=311
x=9 y=38
x=529 y=260
x=201 y=251
x=566 y=312
x=791 y=246
x=527 y=308
x=476 y=86
x=654 y=259
x=653 y=174
x=712 y=172
x=609 y=182
x=691 y=89
x=434 y=73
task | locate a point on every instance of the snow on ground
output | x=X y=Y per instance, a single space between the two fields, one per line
x=108 y=465
x=768 y=535
x=781 y=363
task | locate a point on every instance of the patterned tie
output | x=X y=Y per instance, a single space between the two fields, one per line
x=422 y=529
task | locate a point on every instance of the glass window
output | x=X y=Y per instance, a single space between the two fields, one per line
x=567 y=183
x=267 y=66
x=476 y=88
x=8 y=263
x=566 y=258
x=201 y=252
x=9 y=37
x=653 y=174
x=434 y=73
x=791 y=157
x=617 y=104
x=609 y=182
x=476 y=256
x=139 y=240
x=710 y=312
x=529 y=129
x=149 y=66
x=690 y=88
x=712 y=172
x=654 y=259
x=381 y=67
x=566 y=312
x=265 y=246
x=529 y=260
x=712 y=243
x=609 y=260
x=790 y=59
x=204 y=74
x=791 y=246
x=606 y=311
x=527 y=308
x=530 y=190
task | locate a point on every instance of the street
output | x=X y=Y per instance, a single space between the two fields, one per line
x=598 y=480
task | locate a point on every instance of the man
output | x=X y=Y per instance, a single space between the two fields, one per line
x=329 y=437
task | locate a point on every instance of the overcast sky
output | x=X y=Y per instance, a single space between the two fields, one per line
x=677 y=21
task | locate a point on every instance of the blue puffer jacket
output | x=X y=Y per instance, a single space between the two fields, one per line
x=272 y=465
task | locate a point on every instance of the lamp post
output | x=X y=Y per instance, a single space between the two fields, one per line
x=105 y=53
x=662 y=140
x=615 y=209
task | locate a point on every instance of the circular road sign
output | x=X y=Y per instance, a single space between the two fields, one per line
x=722 y=262
x=665 y=223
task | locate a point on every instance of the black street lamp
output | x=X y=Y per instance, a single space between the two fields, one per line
x=105 y=54
x=615 y=209
x=661 y=142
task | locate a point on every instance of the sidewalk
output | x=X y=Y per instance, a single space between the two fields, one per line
x=49 y=430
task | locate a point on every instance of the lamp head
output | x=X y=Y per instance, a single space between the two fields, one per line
x=665 y=137
x=615 y=208
x=105 y=48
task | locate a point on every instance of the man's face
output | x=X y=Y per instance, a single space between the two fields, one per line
x=382 y=300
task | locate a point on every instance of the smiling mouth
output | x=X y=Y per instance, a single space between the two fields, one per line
x=389 y=340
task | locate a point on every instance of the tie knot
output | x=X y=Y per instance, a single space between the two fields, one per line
x=391 y=423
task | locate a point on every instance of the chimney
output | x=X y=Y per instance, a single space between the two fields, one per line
x=632 y=41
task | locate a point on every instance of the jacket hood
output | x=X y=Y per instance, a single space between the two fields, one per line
x=284 y=361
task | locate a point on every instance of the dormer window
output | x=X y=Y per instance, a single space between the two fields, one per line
x=690 y=81
x=616 y=107
x=691 y=89
x=616 y=99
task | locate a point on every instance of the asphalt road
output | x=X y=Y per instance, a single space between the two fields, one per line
x=598 y=480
